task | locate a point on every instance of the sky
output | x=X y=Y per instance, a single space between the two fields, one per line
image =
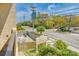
x=23 y=9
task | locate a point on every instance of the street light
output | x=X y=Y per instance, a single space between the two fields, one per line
x=33 y=14
x=24 y=17
x=52 y=9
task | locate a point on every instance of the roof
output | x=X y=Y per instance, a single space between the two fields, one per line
x=32 y=35
x=44 y=15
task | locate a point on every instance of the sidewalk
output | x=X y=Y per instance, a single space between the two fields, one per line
x=73 y=49
x=20 y=53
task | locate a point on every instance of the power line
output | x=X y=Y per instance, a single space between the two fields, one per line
x=66 y=10
x=73 y=13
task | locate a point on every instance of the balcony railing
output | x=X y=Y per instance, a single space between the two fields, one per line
x=10 y=47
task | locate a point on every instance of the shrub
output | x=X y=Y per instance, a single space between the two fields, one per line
x=63 y=29
x=40 y=29
x=60 y=45
x=20 y=28
x=46 y=51
x=68 y=52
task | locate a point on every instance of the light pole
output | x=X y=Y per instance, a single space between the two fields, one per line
x=24 y=17
x=33 y=14
x=52 y=9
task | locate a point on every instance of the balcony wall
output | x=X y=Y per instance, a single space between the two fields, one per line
x=7 y=22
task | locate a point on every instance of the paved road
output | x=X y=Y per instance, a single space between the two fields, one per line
x=70 y=38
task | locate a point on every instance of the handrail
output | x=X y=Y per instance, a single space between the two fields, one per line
x=10 y=49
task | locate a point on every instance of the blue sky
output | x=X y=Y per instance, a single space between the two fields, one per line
x=55 y=8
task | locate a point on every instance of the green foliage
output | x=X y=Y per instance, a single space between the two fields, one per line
x=58 y=51
x=25 y=23
x=63 y=29
x=60 y=45
x=46 y=51
x=40 y=29
x=68 y=52
x=59 y=22
x=20 y=28
x=49 y=24
x=36 y=23
x=75 y=21
x=30 y=52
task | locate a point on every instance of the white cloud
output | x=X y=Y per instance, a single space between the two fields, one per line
x=70 y=11
x=68 y=8
x=20 y=14
x=50 y=7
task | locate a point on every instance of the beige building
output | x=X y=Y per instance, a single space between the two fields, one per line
x=30 y=41
x=43 y=16
x=7 y=22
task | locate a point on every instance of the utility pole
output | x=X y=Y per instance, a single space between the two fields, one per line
x=24 y=17
x=69 y=22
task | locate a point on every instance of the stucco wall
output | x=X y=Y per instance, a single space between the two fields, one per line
x=8 y=26
x=4 y=9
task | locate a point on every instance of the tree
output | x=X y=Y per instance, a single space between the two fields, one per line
x=49 y=23
x=36 y=23
x=60 y=21
x=40 y=29
x=20 y=28
x=75 y=21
